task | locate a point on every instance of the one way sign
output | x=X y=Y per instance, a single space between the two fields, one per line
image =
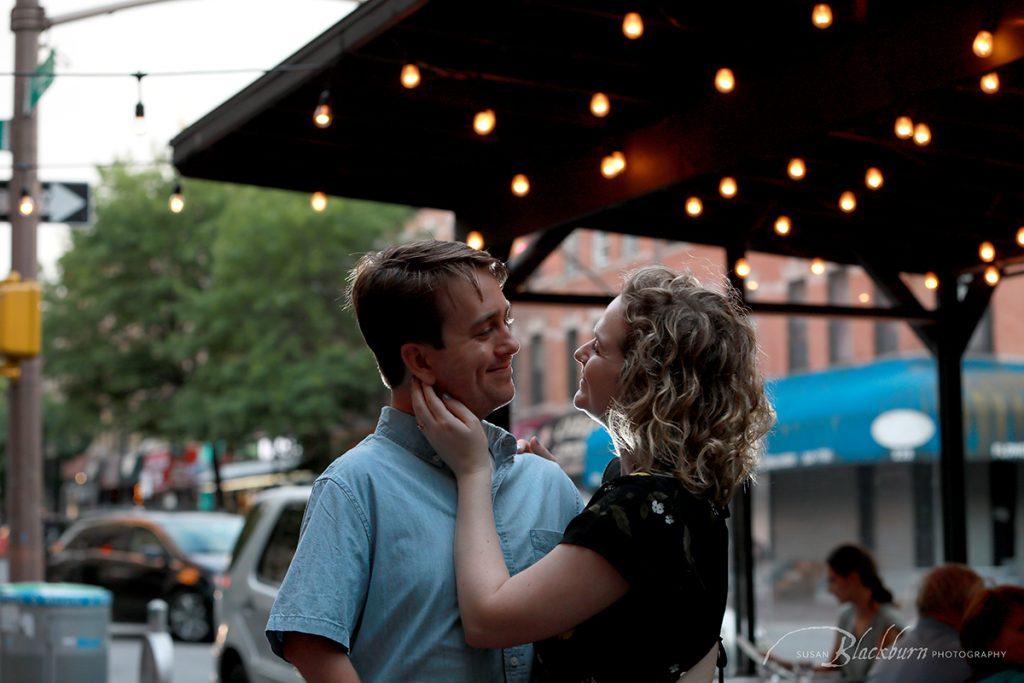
x=62 y=203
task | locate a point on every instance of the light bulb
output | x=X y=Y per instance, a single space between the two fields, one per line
x=140 y=119
x=992 y=275
x=26 y=204
x=484 y=122
x=987 y=252
x=694 y=207
x=990 y=83
x=599 y=105
x=322 y=115
x=931 y=281
x=752 y=285
x=742 y=267
x=817 y=266
x=821 y=15
x=922 y=134
x=873 y=178
x=410 y=76
x=904 y=127
x=475 y=240
x=727 y=187
x=613 y=164
x=520 y=185
x=783 y=225
x=318 y=200
x=983 y=43
x=176 y=203
x=632 y=26
x=847 y=201
x=1020 y=236
x=797 y=169
x=864 y=298
x=725 y=81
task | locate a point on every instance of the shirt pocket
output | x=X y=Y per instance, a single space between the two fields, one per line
x=543 y=542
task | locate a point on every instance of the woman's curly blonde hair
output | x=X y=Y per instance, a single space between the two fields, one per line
x=692 y=401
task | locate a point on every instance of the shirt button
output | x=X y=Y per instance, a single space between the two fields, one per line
x=513 y=660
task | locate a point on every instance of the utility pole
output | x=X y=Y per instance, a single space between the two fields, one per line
x=25 y=426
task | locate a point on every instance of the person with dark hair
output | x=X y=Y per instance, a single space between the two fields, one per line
x=929 y=652
x=992 y=635
x=636 y=590
x=370 y=593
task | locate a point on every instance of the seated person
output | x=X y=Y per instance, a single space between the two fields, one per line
x=993 y=635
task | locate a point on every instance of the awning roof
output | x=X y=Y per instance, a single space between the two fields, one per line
x=827 y=417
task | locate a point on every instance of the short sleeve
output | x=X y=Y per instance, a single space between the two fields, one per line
x=325 y=588
x=632 y=524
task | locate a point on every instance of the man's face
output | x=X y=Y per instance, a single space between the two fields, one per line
x=475 y=365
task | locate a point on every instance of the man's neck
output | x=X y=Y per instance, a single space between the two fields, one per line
x=401 y=399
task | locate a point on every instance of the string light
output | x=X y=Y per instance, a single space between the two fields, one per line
x=983 y=43
x=727 y=188
x=987 y=252
x=992 y=276
x=864 y=298
x=318 y=200
x=632 y=26
x=520 y=185
x=847 y=201
x=752 y=285
x=1020 y=236
x=475 y=240
x=797 y=169
x=873 y=178
x=322 y=115
x=817 y=266
x=140 y=109
x=931 y=281
x=742 y=267
x=922 y=134
x=821 y=15
x=725 y=81
x=783 y=225
x=484 y=122
x=410 y=76
x=176 y=202
x=990 y=83
x=599 y=105
x=26 y=204
x=694 y=207
x=613 y=164
x=904 y=127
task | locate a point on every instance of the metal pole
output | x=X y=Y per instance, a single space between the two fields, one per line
x=948 y=357
x=25 y=429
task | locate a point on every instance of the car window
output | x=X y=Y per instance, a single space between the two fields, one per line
x=277 y=554
x=251 y=522
x=145 y=541
x=91 y=537
x=206 y=535
x=119 y=537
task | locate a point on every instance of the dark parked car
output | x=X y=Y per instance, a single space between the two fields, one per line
x=178 y=557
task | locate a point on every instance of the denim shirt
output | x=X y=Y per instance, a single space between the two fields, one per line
x=374 y=569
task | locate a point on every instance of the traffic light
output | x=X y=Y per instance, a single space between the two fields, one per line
x=20 y=324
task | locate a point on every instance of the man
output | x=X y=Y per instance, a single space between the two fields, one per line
x=928 y=652
x=370 y=594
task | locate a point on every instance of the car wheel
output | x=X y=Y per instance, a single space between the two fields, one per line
x=189 y=617
x=236 y=674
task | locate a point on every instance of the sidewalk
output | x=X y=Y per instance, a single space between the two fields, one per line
x=193 y=662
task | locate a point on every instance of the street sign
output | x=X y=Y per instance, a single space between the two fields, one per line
x=62 y=203
x=41 y=79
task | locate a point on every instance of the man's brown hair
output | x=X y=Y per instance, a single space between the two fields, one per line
x=394 y=293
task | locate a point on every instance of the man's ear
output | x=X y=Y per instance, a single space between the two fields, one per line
x=417 y=362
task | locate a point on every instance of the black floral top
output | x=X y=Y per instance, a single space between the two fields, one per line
x=672 y=548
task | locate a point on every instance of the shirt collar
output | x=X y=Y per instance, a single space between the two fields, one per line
x=400 y=427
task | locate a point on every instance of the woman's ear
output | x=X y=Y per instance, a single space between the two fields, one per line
x=417 y=362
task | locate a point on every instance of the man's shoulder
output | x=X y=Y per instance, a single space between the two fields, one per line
x=358 y=461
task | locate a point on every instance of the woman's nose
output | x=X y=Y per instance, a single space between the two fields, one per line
x=580 y=354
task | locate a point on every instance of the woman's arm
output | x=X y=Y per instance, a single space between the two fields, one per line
x=565 y=588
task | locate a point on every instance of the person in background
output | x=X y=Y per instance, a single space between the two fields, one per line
x=993 y=635
x=944 y=594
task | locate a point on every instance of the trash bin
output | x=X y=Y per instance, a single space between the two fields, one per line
x=53 y=632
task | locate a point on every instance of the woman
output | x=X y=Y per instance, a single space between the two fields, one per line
x=992 y=635
x=637 y=588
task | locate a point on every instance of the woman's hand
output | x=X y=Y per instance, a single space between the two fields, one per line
x=536 y=447
x=455 y=433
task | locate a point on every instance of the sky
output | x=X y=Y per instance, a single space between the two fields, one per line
x=89 y=121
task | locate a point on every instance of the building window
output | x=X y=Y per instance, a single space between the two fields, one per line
x=630 y=246
x=571 y=342
x=570 y=253
x=796 y=328
x=839 y=342
x=600 y=249
x=887 y=332
x=536 y=370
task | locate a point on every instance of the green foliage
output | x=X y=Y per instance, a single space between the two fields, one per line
x=222 y=322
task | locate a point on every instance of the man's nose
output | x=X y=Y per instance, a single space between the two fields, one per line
x=580 y=354
x=509 y=344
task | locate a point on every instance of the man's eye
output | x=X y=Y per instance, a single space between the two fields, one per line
x=484 y=332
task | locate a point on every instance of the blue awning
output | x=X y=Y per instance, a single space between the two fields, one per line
x=827 y=417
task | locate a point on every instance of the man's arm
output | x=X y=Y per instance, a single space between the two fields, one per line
x=319 y=659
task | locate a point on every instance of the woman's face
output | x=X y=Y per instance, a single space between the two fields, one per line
x=601 y=362
x=842 y=587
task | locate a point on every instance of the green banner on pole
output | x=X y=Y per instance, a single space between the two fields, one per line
x=5 y=136
x=41 y=80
